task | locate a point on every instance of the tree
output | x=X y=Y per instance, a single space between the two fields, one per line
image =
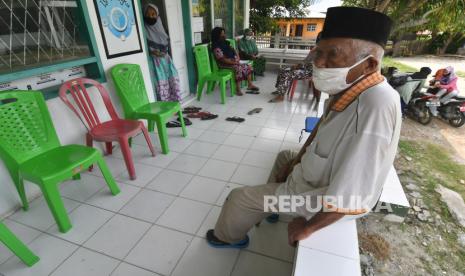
x=441 y=17
x=263 y=12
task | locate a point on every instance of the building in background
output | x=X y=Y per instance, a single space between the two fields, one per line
x=305 y=27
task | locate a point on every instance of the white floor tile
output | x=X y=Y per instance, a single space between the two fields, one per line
x=160 y=160
x=247 y=130
x=254 y=121
x=279 y=248
x=211 y=136
x=277 y=124
x=250 y=264
x=115 y=165
x=24 y=233
x=202 y=124
x=193 y=132
x=209 y=222
x=251 y=176
x=224 y=126
x=188 y=163
x=179 y=144
x=184 y=215
x=39 y=215
x=240 y=141
x=140 y=152
x=144 y=174
x=259 y=159
x=201 y=259
x=171 y=182
x=86 y=221
x=228 y=153
x=118 y=236
x=86 y=262
x=159 y=250
x=266 y=145
x=218 y=169
x=229 y=187
x=147 y=205
x=204 y=189
x=104 y=199
x=125 y=269
x=83 y=189
x=52 y=252
x=270 y=133
x=203 y=149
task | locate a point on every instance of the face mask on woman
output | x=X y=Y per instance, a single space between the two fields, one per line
x=333 y=80
x=150 y=20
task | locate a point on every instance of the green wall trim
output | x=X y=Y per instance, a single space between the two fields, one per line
x=100 y=74
x=186 y=15
x=34 y=71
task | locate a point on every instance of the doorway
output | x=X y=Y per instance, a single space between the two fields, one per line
x=172 y=19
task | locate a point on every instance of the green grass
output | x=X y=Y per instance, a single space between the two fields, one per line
x=461 y=74
x=390 y=62
x=433 y=165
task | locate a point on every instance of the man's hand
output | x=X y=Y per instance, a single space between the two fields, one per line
x=285 y=172
x=297 y=230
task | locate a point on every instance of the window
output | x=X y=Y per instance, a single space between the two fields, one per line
x=36 y=32
x=202 y=8
x=238 y=17
x=44 y=36
x=311 y=27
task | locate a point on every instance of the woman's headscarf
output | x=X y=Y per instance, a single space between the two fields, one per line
x=217 y=42
x=156 y=33
x=450 y=77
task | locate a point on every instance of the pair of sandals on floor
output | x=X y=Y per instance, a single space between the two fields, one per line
x=217 y=243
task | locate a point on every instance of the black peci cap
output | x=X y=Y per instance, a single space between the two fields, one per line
x=359 y=23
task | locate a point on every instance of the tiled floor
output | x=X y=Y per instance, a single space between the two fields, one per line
x=156 y=225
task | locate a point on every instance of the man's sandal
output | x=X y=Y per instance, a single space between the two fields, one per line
x=213 y=241
x=255 y=110
x=235 y=119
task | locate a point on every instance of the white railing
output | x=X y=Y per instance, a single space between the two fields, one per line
x=284 y=42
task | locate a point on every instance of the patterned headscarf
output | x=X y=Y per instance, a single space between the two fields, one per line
x=450 y=77
x=156 y=33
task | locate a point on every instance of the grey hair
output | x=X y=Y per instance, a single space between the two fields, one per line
x=364 y=48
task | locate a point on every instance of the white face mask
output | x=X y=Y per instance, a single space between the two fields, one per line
x=333 y=80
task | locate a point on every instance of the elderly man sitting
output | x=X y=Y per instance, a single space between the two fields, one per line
x=248 y=51
x=342 y=167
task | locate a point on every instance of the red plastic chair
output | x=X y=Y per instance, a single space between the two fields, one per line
x=294 y=85
x=114 y=130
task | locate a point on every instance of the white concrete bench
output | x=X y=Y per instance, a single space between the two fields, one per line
x=282 y=55
x=333 y=250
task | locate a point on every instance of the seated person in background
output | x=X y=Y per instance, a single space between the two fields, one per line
x=248 y=51
x=447 y=85
x=227 y=57
x=287 y=74
x=422 y=74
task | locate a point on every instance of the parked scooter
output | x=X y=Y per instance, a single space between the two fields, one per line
x=423 y=106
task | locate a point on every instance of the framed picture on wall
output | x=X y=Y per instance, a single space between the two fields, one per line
x=118 y=26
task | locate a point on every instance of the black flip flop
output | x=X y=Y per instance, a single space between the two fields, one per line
x=252 y=92
x=254 y=89
x=187 y=122
x=235 y=119
x=213 y=241
x=255 y=110
x=209 y=117
x=173 y=124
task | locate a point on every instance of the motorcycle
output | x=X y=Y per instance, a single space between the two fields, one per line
x=424 y=106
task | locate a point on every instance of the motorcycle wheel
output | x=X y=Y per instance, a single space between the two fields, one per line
x=425 y=117
x=458 y=122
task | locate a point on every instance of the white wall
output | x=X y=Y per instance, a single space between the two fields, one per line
x=69 y=128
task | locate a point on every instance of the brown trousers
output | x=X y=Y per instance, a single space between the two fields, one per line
x=243 y=207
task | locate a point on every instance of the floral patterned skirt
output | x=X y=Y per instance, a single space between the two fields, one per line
x=167 y=79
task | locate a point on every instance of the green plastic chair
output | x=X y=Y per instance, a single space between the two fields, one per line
x=131 y=90
x=16 y=246
x=206 y=75
x=30 y=148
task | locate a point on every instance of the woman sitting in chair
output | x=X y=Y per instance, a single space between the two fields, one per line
x=227 y=57
x=287 y=74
